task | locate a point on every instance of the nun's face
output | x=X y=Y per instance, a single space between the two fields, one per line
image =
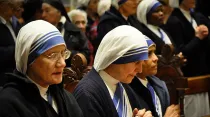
x=129 y=7
x=45 y=71
x=150 y=65
x=157 y=17
x=50 y=14
x=126 y=72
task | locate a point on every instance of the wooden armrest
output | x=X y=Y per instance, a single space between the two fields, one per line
x=198 y=84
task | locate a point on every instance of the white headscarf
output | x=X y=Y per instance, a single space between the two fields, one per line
x=149 y=41
x=174 y=3
x=34 y=39
x=123 y=44
x=145 y=8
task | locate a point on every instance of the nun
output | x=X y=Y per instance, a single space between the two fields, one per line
x=190 y=33
x=150 y=14
x=153 y=90
x=35 y=88
x=104 y=92
x=193 y=40
x=54 y=12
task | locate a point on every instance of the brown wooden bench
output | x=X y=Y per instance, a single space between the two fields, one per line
x=178 y=85
x=72 y=75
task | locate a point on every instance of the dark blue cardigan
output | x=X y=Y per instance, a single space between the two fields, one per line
x=94 y=99
x=160 y=89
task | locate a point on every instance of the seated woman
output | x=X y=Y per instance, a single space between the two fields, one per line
x=151 y=89
x=35 y=87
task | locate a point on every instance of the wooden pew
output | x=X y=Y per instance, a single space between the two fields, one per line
x=168 y=71
x=72 y=75
x=178 y=85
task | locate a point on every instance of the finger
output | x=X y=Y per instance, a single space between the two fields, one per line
x=148 y=114
x=141 y=112
x=135 y=111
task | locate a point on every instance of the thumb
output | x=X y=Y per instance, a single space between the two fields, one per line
x=135 y=111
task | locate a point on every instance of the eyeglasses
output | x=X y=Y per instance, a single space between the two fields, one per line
x=56 y=55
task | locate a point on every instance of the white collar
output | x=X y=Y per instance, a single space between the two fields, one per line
x=126 y=18
x=143 y=81
x=107 y=78
x=184 y=11
x=3 y=20
x=42 y=90
x=62 y=20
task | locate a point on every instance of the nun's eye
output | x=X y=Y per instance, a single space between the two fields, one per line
x=56 y=55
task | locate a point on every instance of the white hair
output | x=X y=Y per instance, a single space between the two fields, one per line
x=75 y=12
x=103 y=6
x=82 y=3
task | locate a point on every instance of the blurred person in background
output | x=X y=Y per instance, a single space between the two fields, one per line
x=8 y=37
x=55 y=13
x=79 y=18
x=103 y=6
x=191 y=35
x=17 y=19
x=121 y=13
x=32 y=10
x=90 y=7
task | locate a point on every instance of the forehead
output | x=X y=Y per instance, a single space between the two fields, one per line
x=56 y=49
x=46 y=5
x=78 y=17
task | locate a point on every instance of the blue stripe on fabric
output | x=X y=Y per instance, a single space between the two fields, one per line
x=133 y=58
x=52 y=42
x=118 y=97
x=43 y=41
x=40 y=40
x=156 y=5
x=149 y=42
x=136 y=52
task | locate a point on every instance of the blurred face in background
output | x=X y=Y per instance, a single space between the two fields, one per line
x=80 y=22
x=92 y=6
x=18 y=8
x=188 y=4
x=50 y=14
x=7 y=9
x=157 y=16
x=129 y=7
